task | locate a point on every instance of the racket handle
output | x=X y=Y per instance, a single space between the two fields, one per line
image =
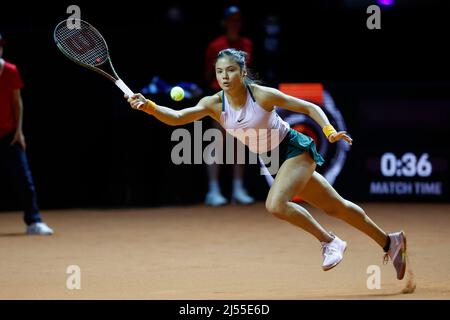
x=122 y=86
x=126 y=90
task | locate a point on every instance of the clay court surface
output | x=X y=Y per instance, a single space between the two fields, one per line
x=231 y=252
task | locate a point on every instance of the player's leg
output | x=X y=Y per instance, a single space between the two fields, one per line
x=319 y=193
x=291 y=178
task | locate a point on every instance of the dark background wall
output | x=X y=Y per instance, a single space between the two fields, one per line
x=88 y=148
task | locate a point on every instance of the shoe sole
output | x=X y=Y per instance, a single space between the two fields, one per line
x=334 y=265
x=403 y=270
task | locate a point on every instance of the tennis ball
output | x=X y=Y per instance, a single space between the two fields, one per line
x=177 y=93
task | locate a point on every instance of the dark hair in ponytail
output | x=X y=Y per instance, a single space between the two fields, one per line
x=240 y=57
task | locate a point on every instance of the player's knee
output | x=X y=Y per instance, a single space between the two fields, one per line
x=276 y=207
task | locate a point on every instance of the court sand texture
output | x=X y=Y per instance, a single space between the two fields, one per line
x=231 y=252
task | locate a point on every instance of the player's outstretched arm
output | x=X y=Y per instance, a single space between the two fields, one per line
x=274 y=97
x=167 y=115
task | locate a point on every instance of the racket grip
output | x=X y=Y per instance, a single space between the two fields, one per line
x=127 y=91
x=122 y=86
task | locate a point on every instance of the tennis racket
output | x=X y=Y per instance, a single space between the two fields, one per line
x=86 y=47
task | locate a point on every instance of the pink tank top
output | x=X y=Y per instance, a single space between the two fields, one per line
x=255 y=127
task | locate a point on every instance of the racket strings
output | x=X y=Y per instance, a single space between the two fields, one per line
x=84 y=45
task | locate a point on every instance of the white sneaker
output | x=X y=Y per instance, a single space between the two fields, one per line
x=39 y=228
x=241 y=196
x=215 y=199
x=397 y=253
x=333 y=252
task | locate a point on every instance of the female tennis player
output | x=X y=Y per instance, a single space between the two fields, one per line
x=242 y=104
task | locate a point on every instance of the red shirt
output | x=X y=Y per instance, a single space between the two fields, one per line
x=220 y=43
x=10 y=80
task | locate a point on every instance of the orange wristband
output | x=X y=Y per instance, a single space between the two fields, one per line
x=328 y=130
x=149 y=106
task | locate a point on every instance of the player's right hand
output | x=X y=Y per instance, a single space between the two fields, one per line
x=137 y=101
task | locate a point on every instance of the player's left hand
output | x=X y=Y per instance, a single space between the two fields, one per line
x=20 y=139
x=340 y=135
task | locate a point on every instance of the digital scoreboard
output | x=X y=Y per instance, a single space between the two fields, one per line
x=401 y=148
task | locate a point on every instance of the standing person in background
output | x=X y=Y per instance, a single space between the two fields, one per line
x=12 y=145
x=231 y=39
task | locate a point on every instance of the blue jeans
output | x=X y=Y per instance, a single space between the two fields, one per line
x=14 y=160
